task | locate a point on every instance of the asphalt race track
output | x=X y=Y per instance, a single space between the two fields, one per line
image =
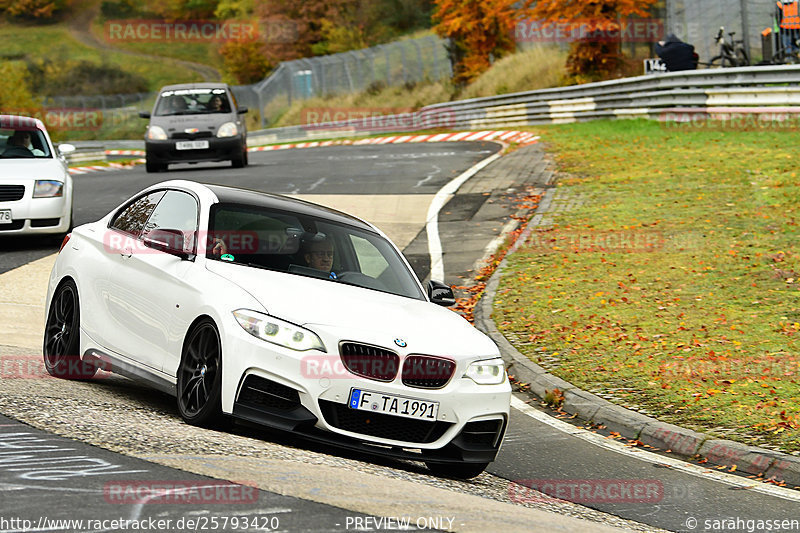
x=392 y=186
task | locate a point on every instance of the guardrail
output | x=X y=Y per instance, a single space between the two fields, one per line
x=733 y=90
x=667 y=96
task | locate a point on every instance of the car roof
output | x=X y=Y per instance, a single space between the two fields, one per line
x=235 y=195
x=198 y=85
x=19 y=122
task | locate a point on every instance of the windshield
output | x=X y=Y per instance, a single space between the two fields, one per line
x=23 y=144
x=307 y=246
x=192 y=102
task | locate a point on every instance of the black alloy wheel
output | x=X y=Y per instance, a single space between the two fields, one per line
x=62 y=336
x=200 y=376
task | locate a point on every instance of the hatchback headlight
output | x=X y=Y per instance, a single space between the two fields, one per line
x=278 y=331
x=156 y=133
x=48 y=189
x=487 y=372
x=228 y=129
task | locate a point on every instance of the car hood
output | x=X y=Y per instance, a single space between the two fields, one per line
x=30 y=169
x=203 y=122
x=354 y=313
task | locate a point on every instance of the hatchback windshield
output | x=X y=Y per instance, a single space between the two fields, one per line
x=23 y=143
x=307 y=246
x=192 y=102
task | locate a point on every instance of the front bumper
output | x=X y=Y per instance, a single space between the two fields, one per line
x=38 y=215
x=274 y=387
x=219 y=149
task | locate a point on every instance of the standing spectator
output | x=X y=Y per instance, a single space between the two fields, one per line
x=676 y=54
x=790 y=25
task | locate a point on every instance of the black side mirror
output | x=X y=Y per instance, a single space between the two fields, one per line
x=242 y=110
x=440 y=294
x=144 y=114
x=166 y=240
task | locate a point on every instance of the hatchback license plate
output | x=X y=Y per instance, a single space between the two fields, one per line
x=191 y=145
x=5 y=216
x=378 y=402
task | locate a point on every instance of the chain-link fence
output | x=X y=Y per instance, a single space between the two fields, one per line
x=397 y=63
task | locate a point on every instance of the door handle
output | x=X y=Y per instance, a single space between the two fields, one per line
x=126 y=253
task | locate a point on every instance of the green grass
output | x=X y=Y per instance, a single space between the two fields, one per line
x=197 y=52
x=674 y=287
x=56 y=42
x=538 y=68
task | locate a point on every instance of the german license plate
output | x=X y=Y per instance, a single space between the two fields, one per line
x=191 y=145
x=389 y=404
x=5 y=216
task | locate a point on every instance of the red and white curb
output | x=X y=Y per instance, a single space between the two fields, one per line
x=520 y=137
x=101 y=168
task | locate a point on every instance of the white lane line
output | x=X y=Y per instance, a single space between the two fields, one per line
x=432 y=224
x=650 y=457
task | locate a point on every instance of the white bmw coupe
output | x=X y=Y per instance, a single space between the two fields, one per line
x=279 y=312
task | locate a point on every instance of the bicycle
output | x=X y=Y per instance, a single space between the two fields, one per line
x=731 y=54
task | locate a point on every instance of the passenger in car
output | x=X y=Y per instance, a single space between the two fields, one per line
x=216 y=105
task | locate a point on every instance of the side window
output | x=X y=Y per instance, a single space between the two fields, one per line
x=371 y=260
x=178 y=211
x=131 y=219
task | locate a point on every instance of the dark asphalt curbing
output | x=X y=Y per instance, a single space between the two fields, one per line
x=686 y=443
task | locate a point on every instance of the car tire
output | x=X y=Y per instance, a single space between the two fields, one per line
x=456 y=470
x=151 y=166
x=199 y=385
x=62 y=336
x=239 y=161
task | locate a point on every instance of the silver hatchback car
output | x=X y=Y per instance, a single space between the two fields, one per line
x=193 y=123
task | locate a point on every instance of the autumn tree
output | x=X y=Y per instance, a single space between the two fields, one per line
x=182 y=9
x=479 y=32
x=245 y=61
x=598 y=53
x=16 y=97
x=37 y=10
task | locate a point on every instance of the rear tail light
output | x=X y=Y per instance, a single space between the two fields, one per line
x=65 y=241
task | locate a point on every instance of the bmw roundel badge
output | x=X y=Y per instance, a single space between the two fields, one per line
x=401 y=343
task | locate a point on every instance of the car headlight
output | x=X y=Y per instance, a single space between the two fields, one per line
x=278 y=331
x=48 y=189
x=487 y=372
x=228 y=129
x=156 y=133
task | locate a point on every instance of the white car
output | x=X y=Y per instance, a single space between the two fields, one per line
x=279 y=312
x=35 y=185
